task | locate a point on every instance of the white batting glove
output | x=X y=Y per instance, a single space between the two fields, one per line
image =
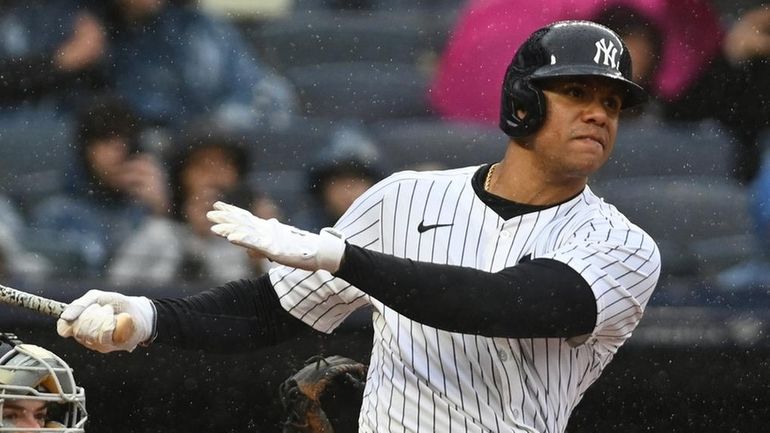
x=92 y=319
x=278 y=242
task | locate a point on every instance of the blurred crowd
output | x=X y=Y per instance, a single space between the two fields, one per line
x=122 y=121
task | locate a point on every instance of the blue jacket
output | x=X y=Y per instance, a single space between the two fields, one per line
x=183 y=64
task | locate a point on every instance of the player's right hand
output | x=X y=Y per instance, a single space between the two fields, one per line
x=278 y=242
x=93 y=319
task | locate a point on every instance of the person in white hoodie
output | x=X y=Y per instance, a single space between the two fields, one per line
x=182 y=247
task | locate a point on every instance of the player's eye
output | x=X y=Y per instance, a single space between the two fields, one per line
x=41 y=417
x=613 y=103
x=574 y=91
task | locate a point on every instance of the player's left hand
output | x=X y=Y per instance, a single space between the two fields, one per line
x=94 y=320
x=279 y=242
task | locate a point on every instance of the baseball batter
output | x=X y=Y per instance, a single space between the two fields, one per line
x=499 y=292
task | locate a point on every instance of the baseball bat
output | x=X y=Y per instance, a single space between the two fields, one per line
x=124 y=323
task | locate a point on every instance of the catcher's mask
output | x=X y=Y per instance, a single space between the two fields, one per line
x=562 y=49
x=29 y=373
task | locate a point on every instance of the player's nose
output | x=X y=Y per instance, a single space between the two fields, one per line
x=595 y=112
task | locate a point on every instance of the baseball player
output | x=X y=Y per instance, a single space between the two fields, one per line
x=500 y=292
x=38 y=392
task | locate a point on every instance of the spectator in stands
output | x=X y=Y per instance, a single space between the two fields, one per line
x=183 y=248
x=114 y=188
x=175 y=65
x=704 y=70
x=381 y=5
x=51 y=56
x=754 y=273
x=340 y=172
x=759 y=202
x=49 y=52
x=17 y=261
x=643 y=38
x=735 y=89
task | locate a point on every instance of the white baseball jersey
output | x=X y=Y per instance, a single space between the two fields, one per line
x=423 y=379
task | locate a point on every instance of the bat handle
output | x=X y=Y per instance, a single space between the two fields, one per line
x=124 y=328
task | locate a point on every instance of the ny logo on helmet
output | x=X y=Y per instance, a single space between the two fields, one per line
x=608 y=50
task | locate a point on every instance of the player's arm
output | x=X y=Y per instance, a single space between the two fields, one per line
x=237 y=316
x=240 y=315
x=543 y=298
x=537 y=298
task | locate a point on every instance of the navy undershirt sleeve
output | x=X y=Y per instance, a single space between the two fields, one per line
x=239 y=316
x=536 y=298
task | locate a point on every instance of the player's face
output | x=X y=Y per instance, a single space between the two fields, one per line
x=24 y=414
x=580 y=126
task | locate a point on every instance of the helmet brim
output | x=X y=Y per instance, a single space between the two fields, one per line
x=634 y=93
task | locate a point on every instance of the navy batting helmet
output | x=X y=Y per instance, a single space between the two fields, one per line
x=562 y=49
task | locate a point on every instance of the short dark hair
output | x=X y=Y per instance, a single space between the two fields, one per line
x=233 y=146
x=627 y=20
x=107 y=116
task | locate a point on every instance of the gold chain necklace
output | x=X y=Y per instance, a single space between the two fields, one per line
x=488 y=181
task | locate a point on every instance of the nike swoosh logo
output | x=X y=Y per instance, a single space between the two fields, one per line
x=422 y=228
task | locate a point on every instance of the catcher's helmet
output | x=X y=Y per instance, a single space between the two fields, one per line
x=29 y=372
x=562 y=49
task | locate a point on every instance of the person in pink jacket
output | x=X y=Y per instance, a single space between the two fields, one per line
x=466 y=88
x=696 y=67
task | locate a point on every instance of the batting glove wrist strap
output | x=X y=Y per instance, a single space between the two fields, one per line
x=153 y=328
x=331 y=248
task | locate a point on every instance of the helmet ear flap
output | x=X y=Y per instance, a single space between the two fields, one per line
x=523 y=107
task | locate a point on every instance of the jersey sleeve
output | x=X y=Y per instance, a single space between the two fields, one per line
x=621 y=263
x=318 y=298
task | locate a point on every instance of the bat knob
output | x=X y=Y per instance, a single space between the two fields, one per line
x=124 y=328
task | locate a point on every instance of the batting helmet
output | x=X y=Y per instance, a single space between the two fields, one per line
x=562 y=49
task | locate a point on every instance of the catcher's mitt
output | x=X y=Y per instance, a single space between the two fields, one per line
x=301 y=394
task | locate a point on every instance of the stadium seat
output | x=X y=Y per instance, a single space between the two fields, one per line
x=361 y=90
x=288 y=148
x=700 y=223
x=35 y=155
x=304 y=39
x=418 y=142
x=647 y=147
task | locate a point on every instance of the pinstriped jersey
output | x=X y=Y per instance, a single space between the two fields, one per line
x=423 y=379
